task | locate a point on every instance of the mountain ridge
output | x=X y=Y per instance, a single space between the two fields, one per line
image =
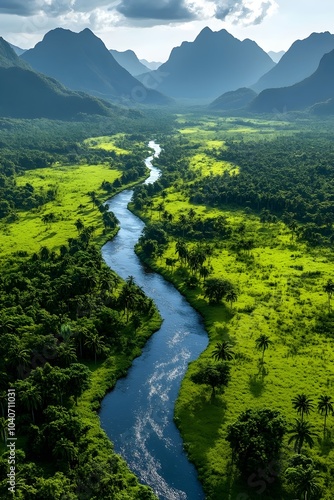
x=214 y=63
x=24 y=93
x=317 y=88
x=81 y=61
x=299 y=62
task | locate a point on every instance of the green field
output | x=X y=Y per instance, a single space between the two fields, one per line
x=279 y=283
x=29 y=233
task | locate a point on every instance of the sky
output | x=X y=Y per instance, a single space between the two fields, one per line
x=153 y=27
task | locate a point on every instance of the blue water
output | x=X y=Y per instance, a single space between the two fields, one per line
x=138 y=414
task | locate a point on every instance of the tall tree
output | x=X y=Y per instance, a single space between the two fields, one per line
x=303 y=477
x=303 y=405
x=256 y=439
x=329 y=289
x=325 y=407
x=223 y=351
x=262 y=343
x=214 y=375
x=302 y=432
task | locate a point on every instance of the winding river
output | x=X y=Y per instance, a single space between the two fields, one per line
x=138 y=414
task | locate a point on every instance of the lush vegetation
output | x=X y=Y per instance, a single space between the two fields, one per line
x=69 y=326
x=240 y=221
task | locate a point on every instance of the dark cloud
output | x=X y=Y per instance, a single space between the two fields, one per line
x=19 y=7
x=173 y=10
x=241 y=11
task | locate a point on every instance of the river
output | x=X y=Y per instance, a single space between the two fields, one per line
x=138 y=414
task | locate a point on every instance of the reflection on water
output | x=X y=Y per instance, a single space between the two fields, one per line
x=138 y=414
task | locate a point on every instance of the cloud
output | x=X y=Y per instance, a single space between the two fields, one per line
x=167 y=10
x=244 y=12
x=20 y=7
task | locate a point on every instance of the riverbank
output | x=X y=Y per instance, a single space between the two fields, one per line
x=73 y=314
x=138 y=414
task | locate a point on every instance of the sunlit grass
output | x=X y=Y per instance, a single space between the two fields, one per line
x=74 y=182
x=107 y=143
x=277 y=296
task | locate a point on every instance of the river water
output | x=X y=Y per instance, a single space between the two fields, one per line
x=138 y=414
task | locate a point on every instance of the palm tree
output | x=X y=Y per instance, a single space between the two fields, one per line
x=30 y=397
x=231 y=297
x=325 y=406
x=300 y=433
x=65 y=450
x=223 y=351
x=303 y=405
x=262 y=343
x=304 y=481
x=329 y=289
x=95 y=342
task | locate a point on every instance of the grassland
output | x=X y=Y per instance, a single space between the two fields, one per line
x=280 y=293
x=73 y=183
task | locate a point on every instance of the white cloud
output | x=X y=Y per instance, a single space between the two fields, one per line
x=245 y=12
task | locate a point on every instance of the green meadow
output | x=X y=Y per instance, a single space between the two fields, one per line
x=27 y=232
x=279 y=284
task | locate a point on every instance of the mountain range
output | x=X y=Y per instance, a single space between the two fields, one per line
x=130 y=62
x=317 y=88
x=25 y=93
x=152 y=65
x=214 y=63
x=299 y=62
x=81 y=61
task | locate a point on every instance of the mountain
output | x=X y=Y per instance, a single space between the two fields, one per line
x=276 y=56
x=129 y=61
x=27 y=94
x=299 y=62
x=235 y=99
x=317 y=88
x=8 y=57
x=81 y=61
x=17 y=50
x=214 y=63
x=152 y=65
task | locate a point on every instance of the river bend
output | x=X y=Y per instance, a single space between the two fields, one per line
x=138 y=414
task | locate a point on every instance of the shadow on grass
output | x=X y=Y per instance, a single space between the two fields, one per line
x=257 y=381
x=326 y=443
x=48 y=236
x=256 y=385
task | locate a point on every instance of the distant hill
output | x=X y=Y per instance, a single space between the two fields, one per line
x=276 y=56
x=214 y=63
x=152 y=65
x=317 y=88
x=82 y=62
x=17 y=50
x=27 y=94
x=129 y=61
x=299 y=62
x=235 y=99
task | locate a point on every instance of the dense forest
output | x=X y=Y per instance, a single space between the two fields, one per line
x=68 y=323
x=241 y=222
